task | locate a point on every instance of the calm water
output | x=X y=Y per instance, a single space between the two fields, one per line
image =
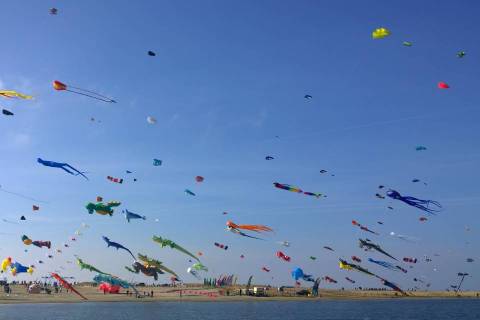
x=375 y=310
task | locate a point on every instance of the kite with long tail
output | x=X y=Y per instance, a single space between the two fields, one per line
x=355 y=223
x=64 y=166
x=235 y=228
x=414 y=202
x=169 y=243
x=59 y=86
x=393 y=286
x=343 y=264
x=14 y=94
x=66 y=284
x=88 y=267
x=117 y=246
x=368 y=245
x=384 y=264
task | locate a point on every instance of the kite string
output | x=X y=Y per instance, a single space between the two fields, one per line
x=80 y=90
x=21 y=195
x=91 y=96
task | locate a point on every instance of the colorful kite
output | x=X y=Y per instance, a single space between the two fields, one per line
x=380 y=33
x=283 y=256
x=59 y=86
x=102 y=208
x=26 y=240
x=88 y=267
x=298 y=274
x=66 y=285
x=234 y=228
x=383 y=264
x=418 y=203
x=14 y=94
x=64 y=166
x=343 y=264
x=199 y=267
x=115 y=180
x=287 y=187
x=169 y=243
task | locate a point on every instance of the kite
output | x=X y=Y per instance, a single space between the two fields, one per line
x=269 y=158
x=313 y=258
x=422 y=219
x=343 y=264
x=265 y=269
x=379 y=196
x=393 y=286
x=14 y=94
x=157 y=162
x=188 y=192
x=7 y=113
x=381 y=187
x=169 y=243
x=151 y=120
x=418 y=203
x=315 y=194
x=355 y=223
x=420 y=148
x=242 y=256
x=199 y=267
x=368 y=245
x=116 y=245
x=383 y=264
x=401 y=269
x=151 y=53
x=193 y=273
x=16 y=268
x=232 y=227
x=26 y=240
x=130 y=215
x=287 y=187
x=66 y=285
x=59 y=86
x=470 y=260
x=379 y=222
x=307 y=96
x=443 y=85
x=35 y=208
x=380 y=33
x=404 y=237
x=356 y=259
x=23 y=218
x=461 y=54
x=53 y=11
x=283 y=256
x=391 y=208
x=115 y=180
x=88 y=267
x=115 y=281
x=298 y=273
x=149 y=262
x=221 y=246
x=350 y=280
x=102 y=208
x=284 y=243
x=328 y=279
x=128 y=171
x=199 y=179
x=64 y=166
x=328 y=248
x=410 y=260
x=407 y=43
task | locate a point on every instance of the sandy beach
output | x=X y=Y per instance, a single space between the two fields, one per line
x=20 y=295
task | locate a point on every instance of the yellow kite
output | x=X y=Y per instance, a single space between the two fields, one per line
x=380 y=33
x=14 y=94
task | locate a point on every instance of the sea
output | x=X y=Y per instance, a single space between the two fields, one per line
x=392 y=309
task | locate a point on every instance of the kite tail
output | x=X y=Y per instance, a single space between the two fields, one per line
x=254 y=227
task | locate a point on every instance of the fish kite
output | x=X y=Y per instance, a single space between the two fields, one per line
x=64 y=166
x=14 y=94
x=88 y=267
x=59 y=86
x=380 y=33
x=102 y=208
x=169 y=243
x=355 y=223
x=116 y=245
x=368 y=245
x=66 y=285
x=26 y=240
x=418 y=203
x=283 y=256
x=130 y=215
x=157 y=162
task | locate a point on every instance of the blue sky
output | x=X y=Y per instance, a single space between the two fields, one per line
x=229 y=77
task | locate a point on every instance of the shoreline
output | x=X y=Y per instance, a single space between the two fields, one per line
x=163 y=294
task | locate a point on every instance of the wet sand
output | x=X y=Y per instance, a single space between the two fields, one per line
x=20 y=295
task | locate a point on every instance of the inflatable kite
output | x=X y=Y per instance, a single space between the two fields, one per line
x=14 y=94
x=283 y=256
x=150 y=264
x=59 y=86
x=393 y=286
x=355 y=223
x=443 y=85
x=26 y=240
x=117 y=246
x=64 y=166
x=7 y=113
x=368 y=245
x=380 y=33
x=169 y=243
x=414 y=202
x=130 y=215
x=66 y=285
x=298 y=273
x=102 y=208
x=343 y=264
x=199 y=267
x=287 y=187
x=88 y=267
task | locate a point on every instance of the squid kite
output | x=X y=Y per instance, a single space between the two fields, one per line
x=298 y=273
x=355 y=223
x=232 y=227
x=368 y=245
x=283 y=256
x=130 y=215
x=26 y=240
x=59 y=86
x=169 y=243
x=414 y=202
x=66 y=285
x=88 y=267
x=64 y=166
x=380 y=33
x=116 y=245
x=102 y=208
x=14 y=94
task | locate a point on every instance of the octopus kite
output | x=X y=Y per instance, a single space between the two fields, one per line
x=232 y=227
x=64 y=166
x=59 y=86
x=414 y=202
x=169 y=243
x=102 y=208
